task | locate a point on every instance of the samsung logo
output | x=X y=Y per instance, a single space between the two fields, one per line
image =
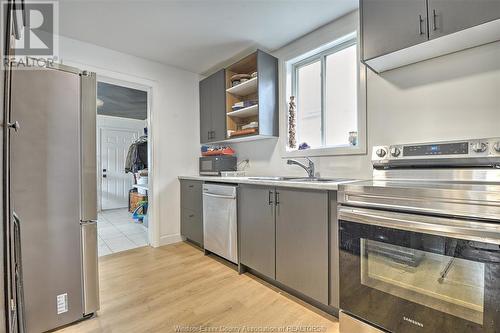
x=414 y=322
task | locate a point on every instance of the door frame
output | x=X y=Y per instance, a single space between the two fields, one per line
x=151 y=87
x=100 y=129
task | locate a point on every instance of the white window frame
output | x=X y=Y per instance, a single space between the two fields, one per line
x=291 y=67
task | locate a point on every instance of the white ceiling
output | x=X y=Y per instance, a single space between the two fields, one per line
x=195 y=34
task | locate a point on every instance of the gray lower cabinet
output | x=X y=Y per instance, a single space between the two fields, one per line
x=256 y=226
x=446 y=17
x=334 y=252
x=302 y=241
x=192 y=210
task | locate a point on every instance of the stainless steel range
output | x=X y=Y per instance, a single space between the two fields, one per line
x=420 y=244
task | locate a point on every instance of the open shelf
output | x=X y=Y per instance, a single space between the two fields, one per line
x=246 y=138
x=244 y=89
x=245 y=112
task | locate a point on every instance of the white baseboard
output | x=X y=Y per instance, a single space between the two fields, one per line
x=170 y=239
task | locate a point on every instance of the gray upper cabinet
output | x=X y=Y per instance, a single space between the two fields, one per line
x=391 y=25
x=205 y=111
x=302 y=241
x=395 y=33
x=230 y=103
x=267 y=67
x=446 y=17
x=212 y=108
x=257 y=228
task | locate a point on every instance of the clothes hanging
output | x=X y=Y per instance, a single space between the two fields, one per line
x=137 y=156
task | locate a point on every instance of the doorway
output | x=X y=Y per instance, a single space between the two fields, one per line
x=122 y=161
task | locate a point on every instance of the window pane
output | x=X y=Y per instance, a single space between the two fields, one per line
x=309 y=104
x=341 y=96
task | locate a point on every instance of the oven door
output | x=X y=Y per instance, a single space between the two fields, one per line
x=415 y=273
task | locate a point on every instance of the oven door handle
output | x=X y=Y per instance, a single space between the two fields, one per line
x=484 y=232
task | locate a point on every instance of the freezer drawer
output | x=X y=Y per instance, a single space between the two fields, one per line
x=90 y=267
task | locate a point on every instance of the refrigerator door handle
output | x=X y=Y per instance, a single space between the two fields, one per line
x=90 y=267
x=88 y=222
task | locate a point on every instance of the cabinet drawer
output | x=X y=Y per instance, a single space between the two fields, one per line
x=192 y=225
x=191 y=197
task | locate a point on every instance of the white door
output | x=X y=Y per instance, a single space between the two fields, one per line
x=115 y=183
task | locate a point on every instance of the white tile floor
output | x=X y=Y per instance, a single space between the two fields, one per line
x=117 y=231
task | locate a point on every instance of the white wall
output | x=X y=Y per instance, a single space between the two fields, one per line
x=174 y=123
x=452 y=97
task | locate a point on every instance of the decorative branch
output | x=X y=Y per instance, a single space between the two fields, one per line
x=292 y=123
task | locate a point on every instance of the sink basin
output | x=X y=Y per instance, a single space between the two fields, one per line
x=272 y=178
x=323 y=180
x=301 y=179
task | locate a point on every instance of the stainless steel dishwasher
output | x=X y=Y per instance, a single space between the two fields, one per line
x=219 y=220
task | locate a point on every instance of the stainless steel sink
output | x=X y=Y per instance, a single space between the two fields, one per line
x=301 y=179
x=272 y=178
x=323 y=180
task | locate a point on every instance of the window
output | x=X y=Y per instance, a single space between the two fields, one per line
x=326 y=84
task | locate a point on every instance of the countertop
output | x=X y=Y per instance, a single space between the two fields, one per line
x=327 y=186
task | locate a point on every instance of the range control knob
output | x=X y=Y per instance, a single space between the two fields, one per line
x=381 y=152
x=395 y=151
x=497 y=147
x=479 y=147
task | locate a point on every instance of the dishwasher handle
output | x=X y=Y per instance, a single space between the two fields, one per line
x=219 y=196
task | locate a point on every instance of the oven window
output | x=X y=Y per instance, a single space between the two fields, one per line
x=444 y=283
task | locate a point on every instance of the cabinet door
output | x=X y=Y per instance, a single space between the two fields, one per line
x=192 y=210
x=302 y=241
x=334 y=252
x=257 y=228
x=218 y=106
x=392 y=25
x=192 y=225
x=205 y=111
x=446 y=16
x=191 y=195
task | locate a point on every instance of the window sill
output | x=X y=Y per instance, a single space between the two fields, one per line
x=327 y=151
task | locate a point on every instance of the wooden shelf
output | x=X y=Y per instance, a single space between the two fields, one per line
x=244 y=138
x=245 y=112
x=245 y=88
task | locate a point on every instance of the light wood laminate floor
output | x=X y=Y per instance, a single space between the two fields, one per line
x=176 y=288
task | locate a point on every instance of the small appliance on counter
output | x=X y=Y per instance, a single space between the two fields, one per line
x=216 y=159
x=214 y=165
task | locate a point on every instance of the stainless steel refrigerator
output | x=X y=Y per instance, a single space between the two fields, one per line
x=52 y=153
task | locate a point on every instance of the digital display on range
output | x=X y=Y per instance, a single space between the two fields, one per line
x=437 y=149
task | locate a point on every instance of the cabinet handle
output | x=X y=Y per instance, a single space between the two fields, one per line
x=191 y=216
x=434 y=20
x=190 y=186
x=269 y=198
x=420 y=21
x=277 y=198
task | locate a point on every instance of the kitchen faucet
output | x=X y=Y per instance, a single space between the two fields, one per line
x=309 y=169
